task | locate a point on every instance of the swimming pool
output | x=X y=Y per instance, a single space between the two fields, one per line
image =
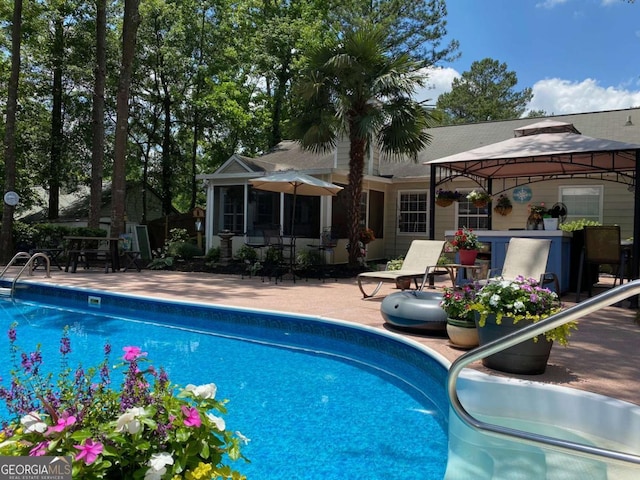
x=318 y=399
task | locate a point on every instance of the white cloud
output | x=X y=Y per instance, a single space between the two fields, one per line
x=550 y=3
x=438 y=82
x=557 y=96
x=553 y=95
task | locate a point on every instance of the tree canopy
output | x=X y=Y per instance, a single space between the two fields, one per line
x=209 y=78
x=485 y=92
x=354 y=88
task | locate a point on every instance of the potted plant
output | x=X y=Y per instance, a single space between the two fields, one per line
x=549 y=222
x=146 y=428
x=503 y=205
x=536 y=214
x=479 y=198
x=467 y=245
x=396 y=264
x=366 y=235
x=444 y=198
x=505 y=306
x=461 y=325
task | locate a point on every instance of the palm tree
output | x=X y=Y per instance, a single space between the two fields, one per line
x=353 y=88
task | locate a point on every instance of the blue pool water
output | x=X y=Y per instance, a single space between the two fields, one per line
x=318 y=400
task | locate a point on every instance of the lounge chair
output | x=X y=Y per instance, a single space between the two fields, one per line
x=526 y=257
x=421 y=260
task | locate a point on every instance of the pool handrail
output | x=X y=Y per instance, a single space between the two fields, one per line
x=591 y=305
x=28 y=266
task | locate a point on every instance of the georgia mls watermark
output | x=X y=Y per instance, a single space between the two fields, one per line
x=35 y=468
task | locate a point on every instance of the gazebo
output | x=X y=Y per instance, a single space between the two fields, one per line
x=543 y=151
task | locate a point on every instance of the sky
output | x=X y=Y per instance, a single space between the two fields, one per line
x=577 y=55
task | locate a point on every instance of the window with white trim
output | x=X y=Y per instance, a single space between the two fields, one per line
x=583 y=201
x=412 y=212
x=471 y=216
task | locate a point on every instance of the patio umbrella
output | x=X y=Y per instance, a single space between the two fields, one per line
x=295 y=183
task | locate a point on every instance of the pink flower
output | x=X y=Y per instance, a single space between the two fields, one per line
x=131 y=353
x=192 y=416
x=39 y=450
x=89 y=451
x=64 y=421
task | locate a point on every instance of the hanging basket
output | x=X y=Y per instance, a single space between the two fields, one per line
x=444 y=202
x=504 y=211
x=480 y=203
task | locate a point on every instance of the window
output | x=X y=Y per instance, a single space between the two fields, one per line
x=307 y=216
x=471 y=216
x=583 y=202
x=232 y=201
x=412 y=212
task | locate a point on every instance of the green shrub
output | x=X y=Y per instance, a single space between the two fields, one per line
x=578 y=225
x=247 y=254
x=187 y=250
x=213 y=255
x=308 y=258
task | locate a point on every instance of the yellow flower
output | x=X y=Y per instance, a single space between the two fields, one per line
x=201 y=472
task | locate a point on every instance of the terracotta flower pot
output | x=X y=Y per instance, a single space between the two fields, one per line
x=403 y=283
x=467 y=257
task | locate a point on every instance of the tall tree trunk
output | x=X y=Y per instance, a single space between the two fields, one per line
x=167 y=164
x=55 y=162
x=356 y=172
x=284 y=75
x=6 y=240
x=118 y=196
x=197 y=127
x=97 y=127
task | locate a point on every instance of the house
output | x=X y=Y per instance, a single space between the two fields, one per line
x=141 y=206
x=396 y=196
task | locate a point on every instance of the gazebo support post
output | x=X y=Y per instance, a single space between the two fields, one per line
x=635 y=252
x=432 y=203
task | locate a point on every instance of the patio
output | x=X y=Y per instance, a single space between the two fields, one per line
x=603 y=356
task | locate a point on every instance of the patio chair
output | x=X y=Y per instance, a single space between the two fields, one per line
x=526 y=257
x=602 y=246
x=419 y=262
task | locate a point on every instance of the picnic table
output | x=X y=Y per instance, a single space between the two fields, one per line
x=92 y=250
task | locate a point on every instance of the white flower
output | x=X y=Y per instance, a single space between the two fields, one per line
x=159 y=460
x=32 y=422
x=217 y=421
x=494 y=300
x=242 y=438
x=157 y=466
x=518 y=305
x=128 y=421
x=202 y=391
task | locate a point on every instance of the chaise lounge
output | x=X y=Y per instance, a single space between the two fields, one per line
x=421 y=261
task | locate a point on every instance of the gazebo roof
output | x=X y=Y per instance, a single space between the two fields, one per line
x=544 y=149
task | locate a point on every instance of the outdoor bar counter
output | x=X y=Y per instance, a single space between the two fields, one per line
x=559 y=256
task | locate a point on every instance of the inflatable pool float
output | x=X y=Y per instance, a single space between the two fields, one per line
x=415 y=310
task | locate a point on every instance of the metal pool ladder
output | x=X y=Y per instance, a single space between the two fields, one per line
x=28 y=266
x=587 y=307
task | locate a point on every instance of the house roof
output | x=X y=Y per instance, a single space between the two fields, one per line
x=287 y=155
x=613 y=125
x=76 y=205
